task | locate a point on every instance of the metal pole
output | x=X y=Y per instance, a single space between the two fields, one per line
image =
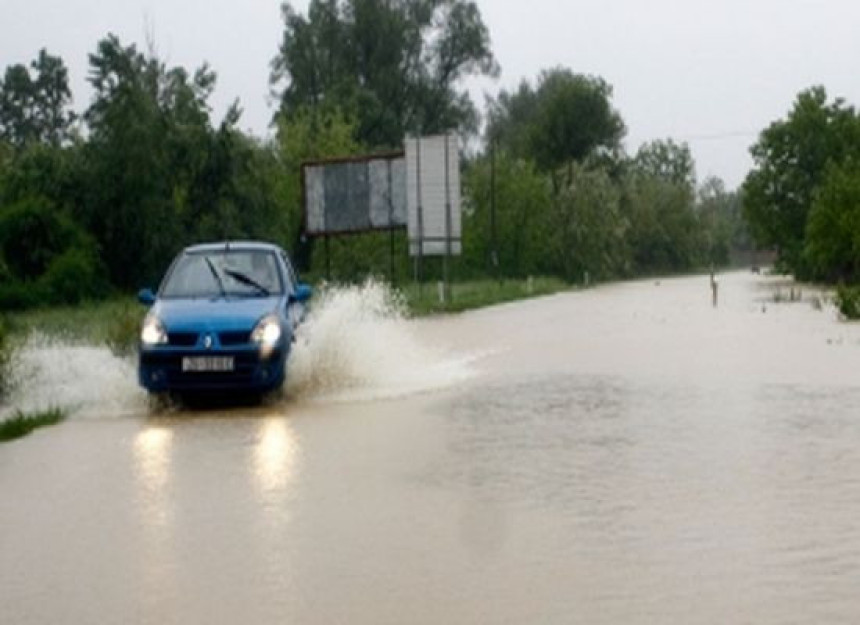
x=447 y=258
x=391 y=229
x=327 y=259
x=419 y=269
x=326 y=240
x=494 y=254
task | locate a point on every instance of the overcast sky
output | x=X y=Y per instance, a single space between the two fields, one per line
x=709 y=73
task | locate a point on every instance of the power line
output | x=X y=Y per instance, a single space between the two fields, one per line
x=737 y=134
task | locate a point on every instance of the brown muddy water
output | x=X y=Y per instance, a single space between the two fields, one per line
x=626 y=454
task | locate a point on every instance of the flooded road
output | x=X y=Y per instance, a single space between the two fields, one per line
x=623 y=454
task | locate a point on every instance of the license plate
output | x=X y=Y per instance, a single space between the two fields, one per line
x=207 y=363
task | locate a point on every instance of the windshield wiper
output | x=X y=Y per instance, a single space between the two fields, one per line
x=217 y=276
x=246 y=279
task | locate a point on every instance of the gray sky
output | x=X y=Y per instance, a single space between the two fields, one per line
x=710 y=73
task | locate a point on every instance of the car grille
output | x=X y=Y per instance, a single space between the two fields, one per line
x=234 y=338
x=182 y=339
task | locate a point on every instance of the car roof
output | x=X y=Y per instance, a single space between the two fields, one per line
x=232 y=245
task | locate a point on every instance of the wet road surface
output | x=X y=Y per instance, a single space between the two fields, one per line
x=622 y=454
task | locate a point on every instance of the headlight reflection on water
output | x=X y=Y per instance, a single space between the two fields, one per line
x=276 y=455
x=152 y=456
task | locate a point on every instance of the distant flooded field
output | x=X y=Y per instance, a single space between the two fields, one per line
x=625 y=454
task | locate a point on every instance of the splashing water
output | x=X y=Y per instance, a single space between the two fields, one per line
x=86 y=380
x=356 y=344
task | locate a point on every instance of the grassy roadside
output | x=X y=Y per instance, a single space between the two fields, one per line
x=22 y=423
x=116 y=322
x=476 y=294
x=92 y=322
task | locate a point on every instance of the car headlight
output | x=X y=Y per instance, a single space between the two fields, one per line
x=268 y=331
x=152 y=332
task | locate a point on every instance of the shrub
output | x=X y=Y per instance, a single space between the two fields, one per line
x=17 y=295
x=74 y=275
x=32 y=233
x=848 y=301
x=46 y=258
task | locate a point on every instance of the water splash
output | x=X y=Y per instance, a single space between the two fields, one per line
x=85 y=380
x=357 y=345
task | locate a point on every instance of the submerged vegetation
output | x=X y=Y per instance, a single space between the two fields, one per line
x=22 y=423
x=848 y=301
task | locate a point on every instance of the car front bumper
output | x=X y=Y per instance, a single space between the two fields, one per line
x=160 y=369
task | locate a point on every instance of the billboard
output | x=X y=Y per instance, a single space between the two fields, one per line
x=355 y=195
x=433 y=195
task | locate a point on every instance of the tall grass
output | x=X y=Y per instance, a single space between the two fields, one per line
x=476 y=294
x=23 y=423
x=114 y=323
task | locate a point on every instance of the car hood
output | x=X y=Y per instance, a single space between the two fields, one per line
x=214 y=314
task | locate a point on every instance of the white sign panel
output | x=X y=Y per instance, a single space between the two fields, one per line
x=355 y=195
x=433 y=195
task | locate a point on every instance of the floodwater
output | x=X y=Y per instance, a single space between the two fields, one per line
x=625 y=454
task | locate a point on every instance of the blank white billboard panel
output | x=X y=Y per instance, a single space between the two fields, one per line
x=356 y=195
x=433 y=195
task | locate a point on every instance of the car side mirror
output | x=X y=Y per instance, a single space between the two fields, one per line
x=146 y=297
x=302 y=294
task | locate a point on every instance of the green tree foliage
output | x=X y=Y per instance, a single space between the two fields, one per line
x=47 y=257
x=31 y=235
x=159 y=175
x=522 y=218
x=665 y=232
x=791 y=158
x=151 y=172
x=34 y=102
x=589 y=228
x=667 y=161
x=721 y=217
x=132 y=183
x=307 y=135
x=567 y=118
x=833 y=231
x=394 y=66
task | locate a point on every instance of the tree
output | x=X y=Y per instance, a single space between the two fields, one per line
x=832 y=249
x=667 y=161
x=522 y=219
x=791 y=158
x=567 y=118
x=665 y=232
x=34 y=109
x=394 y=66
x=724 y=229
x=589 y=228
x=159 y=174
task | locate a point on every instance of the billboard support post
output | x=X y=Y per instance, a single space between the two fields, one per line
x=494 y=254
x=390 y=220
x=419 y=259
x=447 y=257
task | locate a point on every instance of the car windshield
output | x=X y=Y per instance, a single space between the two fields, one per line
x=224 y=273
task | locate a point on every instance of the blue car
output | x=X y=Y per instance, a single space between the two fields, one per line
x=223 y=320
